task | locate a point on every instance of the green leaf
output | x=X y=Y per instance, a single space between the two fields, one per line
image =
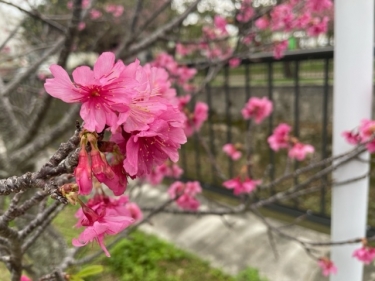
x=89 y=270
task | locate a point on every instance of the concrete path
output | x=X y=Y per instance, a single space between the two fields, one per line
x=244 y=244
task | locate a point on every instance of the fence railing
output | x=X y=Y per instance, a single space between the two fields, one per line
x=300 y=85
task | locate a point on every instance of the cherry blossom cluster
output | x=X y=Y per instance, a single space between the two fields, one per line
x=137 y=108
x=103 y=215
x=364 y=134
x=242 y=184
x=257 y=109
x=233 y=151
x=178 y=74
x=113 y=10
x=185 y=194
x=194 y=120
x=165 y=170
x=281 y=139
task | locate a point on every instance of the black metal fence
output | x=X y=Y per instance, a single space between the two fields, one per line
x=300 y=85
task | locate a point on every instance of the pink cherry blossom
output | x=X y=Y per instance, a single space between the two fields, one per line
x=151 y=147
x=104 y=173
x=279 y=49
x=81 y=26
x=257 y=108
x=240 y=186
x=187 y=202
x=99 y=91
x=280 y=137
x=234 y=62
x=327 y=266
x=182 y=50
x=352 y=138
x=82 y=172
x=199 y=115
x=282 y=17
x=232 y=151
x=318 y=26
x=365 y=254
x=318 y=5
x=303 y=20
x=299 y=151
x=183 y=101
x=220 y=23
x=95 y=14
x=25 y=278
x=246 y=11
x=185 y=194
x=134 y=211
x=262 y=23
x=174 y=171
x=100 y=222
x=366 y=129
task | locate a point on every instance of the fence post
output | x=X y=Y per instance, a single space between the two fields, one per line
x=353 y=62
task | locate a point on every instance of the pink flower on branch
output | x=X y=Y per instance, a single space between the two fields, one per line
x=327 y=266
x=196 y=119
x=280 y=137
x=231 y=150
x=152 y=147
x=257 y=108
x=365 y=254
x=99 y=90
x=299 y=151
x=185 y=194
x=100 y=222
x=241 y=186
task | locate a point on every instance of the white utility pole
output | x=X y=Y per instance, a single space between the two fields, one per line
x=352 y=102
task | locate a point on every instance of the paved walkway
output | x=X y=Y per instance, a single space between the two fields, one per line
x=244 y=244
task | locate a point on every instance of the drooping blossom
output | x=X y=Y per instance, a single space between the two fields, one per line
x=299 y=151
x=327 y=266
x=280 y=137
x=365 y=254
x=196 y=119
x=99 y=90
x=186 y=194
x=83 y=172
x=240 y=185
x=257 y=108
x=231 y=150
x=98 y=223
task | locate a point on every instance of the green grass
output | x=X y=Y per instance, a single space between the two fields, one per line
x=144 y=257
